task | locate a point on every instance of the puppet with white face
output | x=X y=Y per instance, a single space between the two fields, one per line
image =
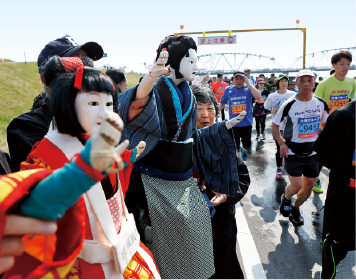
x=86 y=201
x=163 y=110
x=187 y=68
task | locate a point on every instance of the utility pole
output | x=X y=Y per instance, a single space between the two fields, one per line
x=24 y=53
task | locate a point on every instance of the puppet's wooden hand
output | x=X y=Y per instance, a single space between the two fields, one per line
x=102 y=152
x=235 y=120
x=159 y=67
x=140 y=148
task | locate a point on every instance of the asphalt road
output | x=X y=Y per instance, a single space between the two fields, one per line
x=285 y=251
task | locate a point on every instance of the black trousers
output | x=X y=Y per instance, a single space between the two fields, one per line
x=334 y=251
x=245 y=134
x=224 y=229
x=260 y=122
x=278 y=155
x=223 y=114
x=339 y=223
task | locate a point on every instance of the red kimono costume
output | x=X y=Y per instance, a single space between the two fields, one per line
x=90 y=222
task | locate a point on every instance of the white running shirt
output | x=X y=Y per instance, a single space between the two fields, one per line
x=302 y=119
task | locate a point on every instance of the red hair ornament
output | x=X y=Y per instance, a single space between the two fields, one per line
x=72 y=64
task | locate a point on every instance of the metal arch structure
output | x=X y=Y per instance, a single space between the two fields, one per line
x=304 y=30
x=314 y=59
x=233 y=69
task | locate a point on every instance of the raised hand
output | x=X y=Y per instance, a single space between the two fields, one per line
x=159 y=67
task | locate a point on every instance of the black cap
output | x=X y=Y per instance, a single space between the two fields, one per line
x=220 y=75
x=66 y=47
x=238 y=73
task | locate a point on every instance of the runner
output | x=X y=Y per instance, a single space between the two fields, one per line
x=227 y=81
x=259 y=111
x=337 y=90
x=218 y=89
x=339 y=210
x=213 y=82
x=239 y=97
x=272 y=103
x=247 y=72
x=291 y=86
x=267 y=85
x=302 y=115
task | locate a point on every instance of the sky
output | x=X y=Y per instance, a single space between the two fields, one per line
x=130 y=31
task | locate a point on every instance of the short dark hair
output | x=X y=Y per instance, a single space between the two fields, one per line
x=63 y=95
x=341 y=54
x=263 y=75
x=277 y=83
x=205 y=95
x=116 y=75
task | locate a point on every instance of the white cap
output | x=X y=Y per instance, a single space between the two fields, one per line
x=305 y=73
x=247 y=69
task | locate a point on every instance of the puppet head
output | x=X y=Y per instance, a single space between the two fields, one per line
x=182 y=56
x=80 y=95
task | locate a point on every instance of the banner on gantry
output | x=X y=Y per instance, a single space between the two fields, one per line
x=217 y=40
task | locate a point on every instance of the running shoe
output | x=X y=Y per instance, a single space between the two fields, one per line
x=295 y=217
x=285 y=206
x=279 y=174
x=257 y=137
x=263 y=136
x=317 y=186
x=243 y=154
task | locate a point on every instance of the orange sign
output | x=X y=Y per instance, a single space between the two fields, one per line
x=297 y=21
x=182 y=26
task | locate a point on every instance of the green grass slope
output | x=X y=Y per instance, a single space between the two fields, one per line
x=19 y=84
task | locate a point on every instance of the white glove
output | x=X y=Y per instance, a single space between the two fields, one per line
x=159 y=67
x=226 y=107
x=230 y=123
x=102 y=152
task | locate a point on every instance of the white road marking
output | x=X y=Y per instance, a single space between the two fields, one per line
x=250 y=258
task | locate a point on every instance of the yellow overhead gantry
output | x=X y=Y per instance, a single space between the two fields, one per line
x=304 y=30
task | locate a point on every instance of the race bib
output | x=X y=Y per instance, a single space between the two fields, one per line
x=237 y=107
x=338 y=101
x=221 y=90
x=308 y=127
x=262 y=99
x=352 y=181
